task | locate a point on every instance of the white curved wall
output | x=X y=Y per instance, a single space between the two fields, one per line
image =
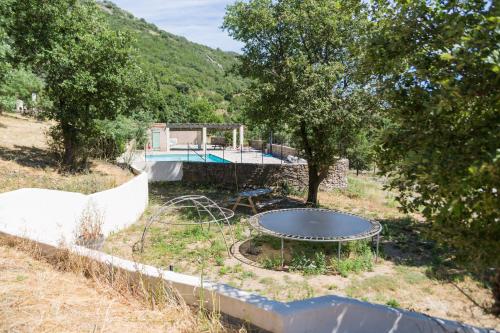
x=52 y=217
x=49 y=217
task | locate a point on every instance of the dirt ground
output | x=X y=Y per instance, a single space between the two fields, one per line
x=405 y=276
x=25 y=161
x=34 y=297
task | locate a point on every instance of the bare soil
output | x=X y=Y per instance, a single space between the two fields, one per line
x=25 y=161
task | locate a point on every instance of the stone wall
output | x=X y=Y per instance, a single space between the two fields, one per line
x=244 y=175
x=278 y=151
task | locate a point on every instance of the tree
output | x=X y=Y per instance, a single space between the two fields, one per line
x=88 y=69
x=303 y=58
x=438 y=68
x=4 y=45
x=17 y=84
x=361 y=154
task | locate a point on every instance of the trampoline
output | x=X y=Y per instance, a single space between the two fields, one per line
x=316 y=225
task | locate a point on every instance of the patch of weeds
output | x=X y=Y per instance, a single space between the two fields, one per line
x=391 y=201
x=411 y=275
x=267 y=281
x=219 y=261
x=224 y=270
x=331 y=287
x=20 y=278
x=309 y=291
x=272 y=262
x=217 y=248
x=309 y=265
x=239 y=232
x=377 y=284
x=392 y=303
x=356 y=188
x=361 y=259
x=287 y=189
x=247 y=275
x=238 y=268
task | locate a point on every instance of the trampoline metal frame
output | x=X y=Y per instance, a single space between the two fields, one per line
x=373 y=232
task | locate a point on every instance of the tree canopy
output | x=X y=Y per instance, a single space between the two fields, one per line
x=88 y=68
x=439 y=75
x=437 y=65
x=303 y=56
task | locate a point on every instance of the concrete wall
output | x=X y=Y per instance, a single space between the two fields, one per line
x=183 y=137
x=161 y=171
x=163 y=136
x=187 y=137
x=53 y=216
x=314 y=315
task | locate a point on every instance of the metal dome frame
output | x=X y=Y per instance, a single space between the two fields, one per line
x=201 y=203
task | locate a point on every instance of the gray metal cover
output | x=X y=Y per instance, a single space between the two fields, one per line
x=314 y=224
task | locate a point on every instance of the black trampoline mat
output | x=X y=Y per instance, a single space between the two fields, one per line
x=314 y=223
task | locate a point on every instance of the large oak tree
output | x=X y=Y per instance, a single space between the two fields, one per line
x=302 y=56
x=88 y=69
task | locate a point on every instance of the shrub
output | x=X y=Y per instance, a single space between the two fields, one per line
x=309 y=265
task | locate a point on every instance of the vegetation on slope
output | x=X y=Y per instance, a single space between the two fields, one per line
x=182 y=70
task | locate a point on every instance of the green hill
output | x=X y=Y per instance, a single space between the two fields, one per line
x=179 y=66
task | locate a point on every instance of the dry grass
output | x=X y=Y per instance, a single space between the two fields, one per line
x=26 y=162
x=404 y=276
x=66 y=293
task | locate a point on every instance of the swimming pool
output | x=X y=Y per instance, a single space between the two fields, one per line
x=186 y=158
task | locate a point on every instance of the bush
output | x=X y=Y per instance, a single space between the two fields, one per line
x=309 y=265
x=272 y=262
x=360 y=258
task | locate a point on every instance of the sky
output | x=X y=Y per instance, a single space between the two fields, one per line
x=197 y=20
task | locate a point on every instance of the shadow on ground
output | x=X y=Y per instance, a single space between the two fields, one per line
x=32 y=157
x=405 y=241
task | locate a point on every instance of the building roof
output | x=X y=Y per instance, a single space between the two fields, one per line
x=191 y=126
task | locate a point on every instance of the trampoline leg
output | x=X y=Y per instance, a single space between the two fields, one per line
x=282 y=255
x=339 y=245
x=376 y=251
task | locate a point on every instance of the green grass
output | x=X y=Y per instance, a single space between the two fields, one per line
x=271 y=262
x=392 y=303
x=309 y=265
x=379 y=284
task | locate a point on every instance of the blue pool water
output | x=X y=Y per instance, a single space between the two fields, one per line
x=184 y=157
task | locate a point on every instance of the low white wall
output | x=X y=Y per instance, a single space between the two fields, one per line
x=47 y=217
x=161 y=171
x=52 y=217
x=314 y=315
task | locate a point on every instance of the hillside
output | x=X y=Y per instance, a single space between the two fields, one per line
x=178 y=64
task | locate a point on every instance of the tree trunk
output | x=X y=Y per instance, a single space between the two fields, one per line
x=496 y=293
x=69 y=140
x=315 y=179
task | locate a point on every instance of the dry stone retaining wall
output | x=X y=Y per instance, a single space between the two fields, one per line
x=243 y=175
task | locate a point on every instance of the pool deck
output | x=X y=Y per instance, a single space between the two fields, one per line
x=235 y=156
